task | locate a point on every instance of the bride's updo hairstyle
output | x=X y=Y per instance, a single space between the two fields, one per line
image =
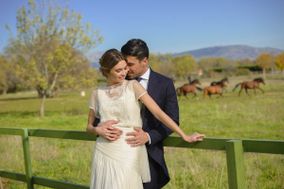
x=109 y=59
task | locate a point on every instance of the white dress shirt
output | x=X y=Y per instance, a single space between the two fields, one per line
x=145 y=78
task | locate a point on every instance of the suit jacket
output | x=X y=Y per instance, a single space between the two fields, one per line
x=162 y=90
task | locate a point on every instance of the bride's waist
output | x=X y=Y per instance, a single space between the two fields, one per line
x=118 y=144
x=128 y=124
x=126 y=129
x=122 y=138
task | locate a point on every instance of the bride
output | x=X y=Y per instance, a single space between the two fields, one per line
x=116 y=164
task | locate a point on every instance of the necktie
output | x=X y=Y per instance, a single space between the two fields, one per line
x=139 y=79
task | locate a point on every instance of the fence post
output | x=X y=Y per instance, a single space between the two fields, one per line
x=27 y=159
x=235 y=164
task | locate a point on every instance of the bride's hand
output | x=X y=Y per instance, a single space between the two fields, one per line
x=194 y=137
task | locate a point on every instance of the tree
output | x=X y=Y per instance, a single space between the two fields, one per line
x=49 y=46
x=184 y=66
x=265 y=61
x=279 y=62
x=205 y=64
x=212 y=65
x=162 y=63
x=3 y=75
x=8 y=79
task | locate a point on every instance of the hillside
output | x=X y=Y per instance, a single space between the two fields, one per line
x=231 y=52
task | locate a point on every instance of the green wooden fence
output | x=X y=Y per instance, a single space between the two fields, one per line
x=234 y=149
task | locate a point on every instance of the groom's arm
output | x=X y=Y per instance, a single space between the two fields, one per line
x=96 y=122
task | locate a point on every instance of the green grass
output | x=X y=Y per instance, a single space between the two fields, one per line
x=258 y=116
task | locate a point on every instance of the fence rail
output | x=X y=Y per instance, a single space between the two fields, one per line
x=234 y=149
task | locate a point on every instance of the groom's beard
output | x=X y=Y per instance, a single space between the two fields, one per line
x=129 y=78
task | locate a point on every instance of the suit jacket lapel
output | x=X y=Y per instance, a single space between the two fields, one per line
x=151 y=83
x=150 y=90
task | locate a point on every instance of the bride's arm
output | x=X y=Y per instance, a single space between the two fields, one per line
x=165 y=119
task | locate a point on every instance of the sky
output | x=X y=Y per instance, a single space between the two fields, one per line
x=172 y=26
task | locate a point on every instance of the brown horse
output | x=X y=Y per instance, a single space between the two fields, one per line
x=224 y=80
x=189 y=88
x=254 y=84
x=216 y=87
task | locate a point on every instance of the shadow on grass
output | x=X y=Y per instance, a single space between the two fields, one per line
x=19 y=114
x=20 y=98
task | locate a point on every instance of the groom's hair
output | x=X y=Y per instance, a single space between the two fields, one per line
x=137 y=48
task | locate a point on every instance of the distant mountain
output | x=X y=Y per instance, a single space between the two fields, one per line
x=231 y=52
x=94 y=58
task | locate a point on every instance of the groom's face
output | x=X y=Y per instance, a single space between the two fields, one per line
x=136 y=67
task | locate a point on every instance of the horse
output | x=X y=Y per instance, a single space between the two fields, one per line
x=213 y=83
x=189 y=88
x=254 y=84
x=216 y=87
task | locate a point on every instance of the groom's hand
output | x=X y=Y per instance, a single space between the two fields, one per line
x=138 y=137
x=108 y=131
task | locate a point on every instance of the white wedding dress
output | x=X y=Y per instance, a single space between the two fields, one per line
x=117 y=165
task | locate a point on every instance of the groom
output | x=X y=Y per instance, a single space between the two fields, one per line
x=153 y=132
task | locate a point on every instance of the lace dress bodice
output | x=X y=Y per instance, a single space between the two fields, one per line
x=119 y=102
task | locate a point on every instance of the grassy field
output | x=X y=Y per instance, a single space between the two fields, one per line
x=258 y=116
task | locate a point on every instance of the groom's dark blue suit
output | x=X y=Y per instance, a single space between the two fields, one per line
x=162 y=90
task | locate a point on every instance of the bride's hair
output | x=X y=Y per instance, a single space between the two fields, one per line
x=109 y=59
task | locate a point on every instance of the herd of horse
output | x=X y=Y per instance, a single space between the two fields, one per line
x=218 y=87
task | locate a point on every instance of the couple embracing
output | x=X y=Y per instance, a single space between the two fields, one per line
x=132 y=115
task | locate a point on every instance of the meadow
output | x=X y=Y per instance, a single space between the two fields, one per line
x=259 y=116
